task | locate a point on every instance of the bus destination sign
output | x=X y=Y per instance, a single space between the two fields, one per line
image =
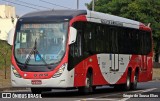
x=111 y=22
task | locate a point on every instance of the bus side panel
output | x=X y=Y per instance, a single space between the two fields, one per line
x=98 y=78
x=143 y=76
x=134 y=61
x=81 y=71
x=122 y=80
x=146 y=75
x=150 y=67
x=145 y=71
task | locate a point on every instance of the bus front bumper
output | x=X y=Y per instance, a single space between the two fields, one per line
x=64 y=81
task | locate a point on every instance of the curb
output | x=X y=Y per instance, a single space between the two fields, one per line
x=156 y=79
x=13 y=88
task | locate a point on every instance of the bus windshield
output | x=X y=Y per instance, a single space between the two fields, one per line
x=50 y=41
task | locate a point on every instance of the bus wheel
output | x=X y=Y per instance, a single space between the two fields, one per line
x=39 y=90
x=88 y=85
x=134 y=84
x=36 y=90
x=127 y=85
x=118 y=87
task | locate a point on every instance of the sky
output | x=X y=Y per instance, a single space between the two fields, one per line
x=37 y=5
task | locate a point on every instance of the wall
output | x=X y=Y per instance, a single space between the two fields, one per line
x=7 y=11
x=5 y=26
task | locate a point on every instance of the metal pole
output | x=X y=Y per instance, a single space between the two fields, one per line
x=92 y=5
x=77 y=4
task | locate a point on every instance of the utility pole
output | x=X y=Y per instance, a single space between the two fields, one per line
x=92 y=5
x=77 y=4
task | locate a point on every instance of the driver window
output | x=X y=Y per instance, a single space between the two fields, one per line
x=76 y=48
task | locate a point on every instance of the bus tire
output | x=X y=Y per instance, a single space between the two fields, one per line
x=135 y=81
x=94 y=88
x=88 y=88
x=127 y=85
x=36 y=90
x=118 y=87
x=39 y=90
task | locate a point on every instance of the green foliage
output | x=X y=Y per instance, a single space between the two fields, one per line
x=146 y=11
x=5 y=54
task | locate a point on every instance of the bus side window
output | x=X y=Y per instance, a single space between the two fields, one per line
x=113 y=39
x=146 y=43
x=76 y=49
x=92 y=41
x=88 y=37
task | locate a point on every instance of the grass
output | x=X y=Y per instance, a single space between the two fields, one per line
x=5 y=82
x=156 y=73
x=5 y=54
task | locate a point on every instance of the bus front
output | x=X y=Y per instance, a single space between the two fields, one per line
x=39 y=54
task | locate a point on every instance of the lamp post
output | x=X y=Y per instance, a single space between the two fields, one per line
x=93 y=5
x=77 y=4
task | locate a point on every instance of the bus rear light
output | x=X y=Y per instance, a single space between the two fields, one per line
x=60 y=71
x=15 y=72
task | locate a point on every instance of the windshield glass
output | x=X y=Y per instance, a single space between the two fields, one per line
x=50 y=39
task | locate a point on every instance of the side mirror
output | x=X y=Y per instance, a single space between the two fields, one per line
x=10 y=36
x=72 y=35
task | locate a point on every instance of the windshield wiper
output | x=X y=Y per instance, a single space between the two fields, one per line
x=35 y=52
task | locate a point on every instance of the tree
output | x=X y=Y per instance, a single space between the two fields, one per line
x=5 y=54
x=146 y=11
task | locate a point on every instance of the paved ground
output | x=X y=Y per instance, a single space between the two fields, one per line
x=146 y=91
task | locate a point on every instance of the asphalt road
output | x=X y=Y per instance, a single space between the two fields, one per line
x=146 y=91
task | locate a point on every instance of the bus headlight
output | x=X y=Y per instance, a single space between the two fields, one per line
x=60 y=71
x=15 y=72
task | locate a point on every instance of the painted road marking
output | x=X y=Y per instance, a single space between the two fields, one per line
x=95 y=99
x=124 y=99
x=146 y=90
x=100 y=98
x=25 y=90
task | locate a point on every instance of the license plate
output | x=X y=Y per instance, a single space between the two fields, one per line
x=36 y=82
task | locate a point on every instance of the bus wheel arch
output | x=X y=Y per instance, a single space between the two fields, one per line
x=88 y=88
x=126 y=86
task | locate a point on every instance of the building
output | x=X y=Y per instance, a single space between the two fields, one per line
x=7 y=11
x=7 y=20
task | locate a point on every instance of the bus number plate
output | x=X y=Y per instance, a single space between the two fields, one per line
x=36 y=82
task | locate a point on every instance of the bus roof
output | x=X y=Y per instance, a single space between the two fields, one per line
x=52 y=15
x=92 y=16
x=111 y=19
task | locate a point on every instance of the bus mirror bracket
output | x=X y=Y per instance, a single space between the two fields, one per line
x=72 y=35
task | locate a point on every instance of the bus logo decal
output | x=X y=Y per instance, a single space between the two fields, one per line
x=110 y=22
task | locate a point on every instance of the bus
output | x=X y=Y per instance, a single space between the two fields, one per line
x=80 y=49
